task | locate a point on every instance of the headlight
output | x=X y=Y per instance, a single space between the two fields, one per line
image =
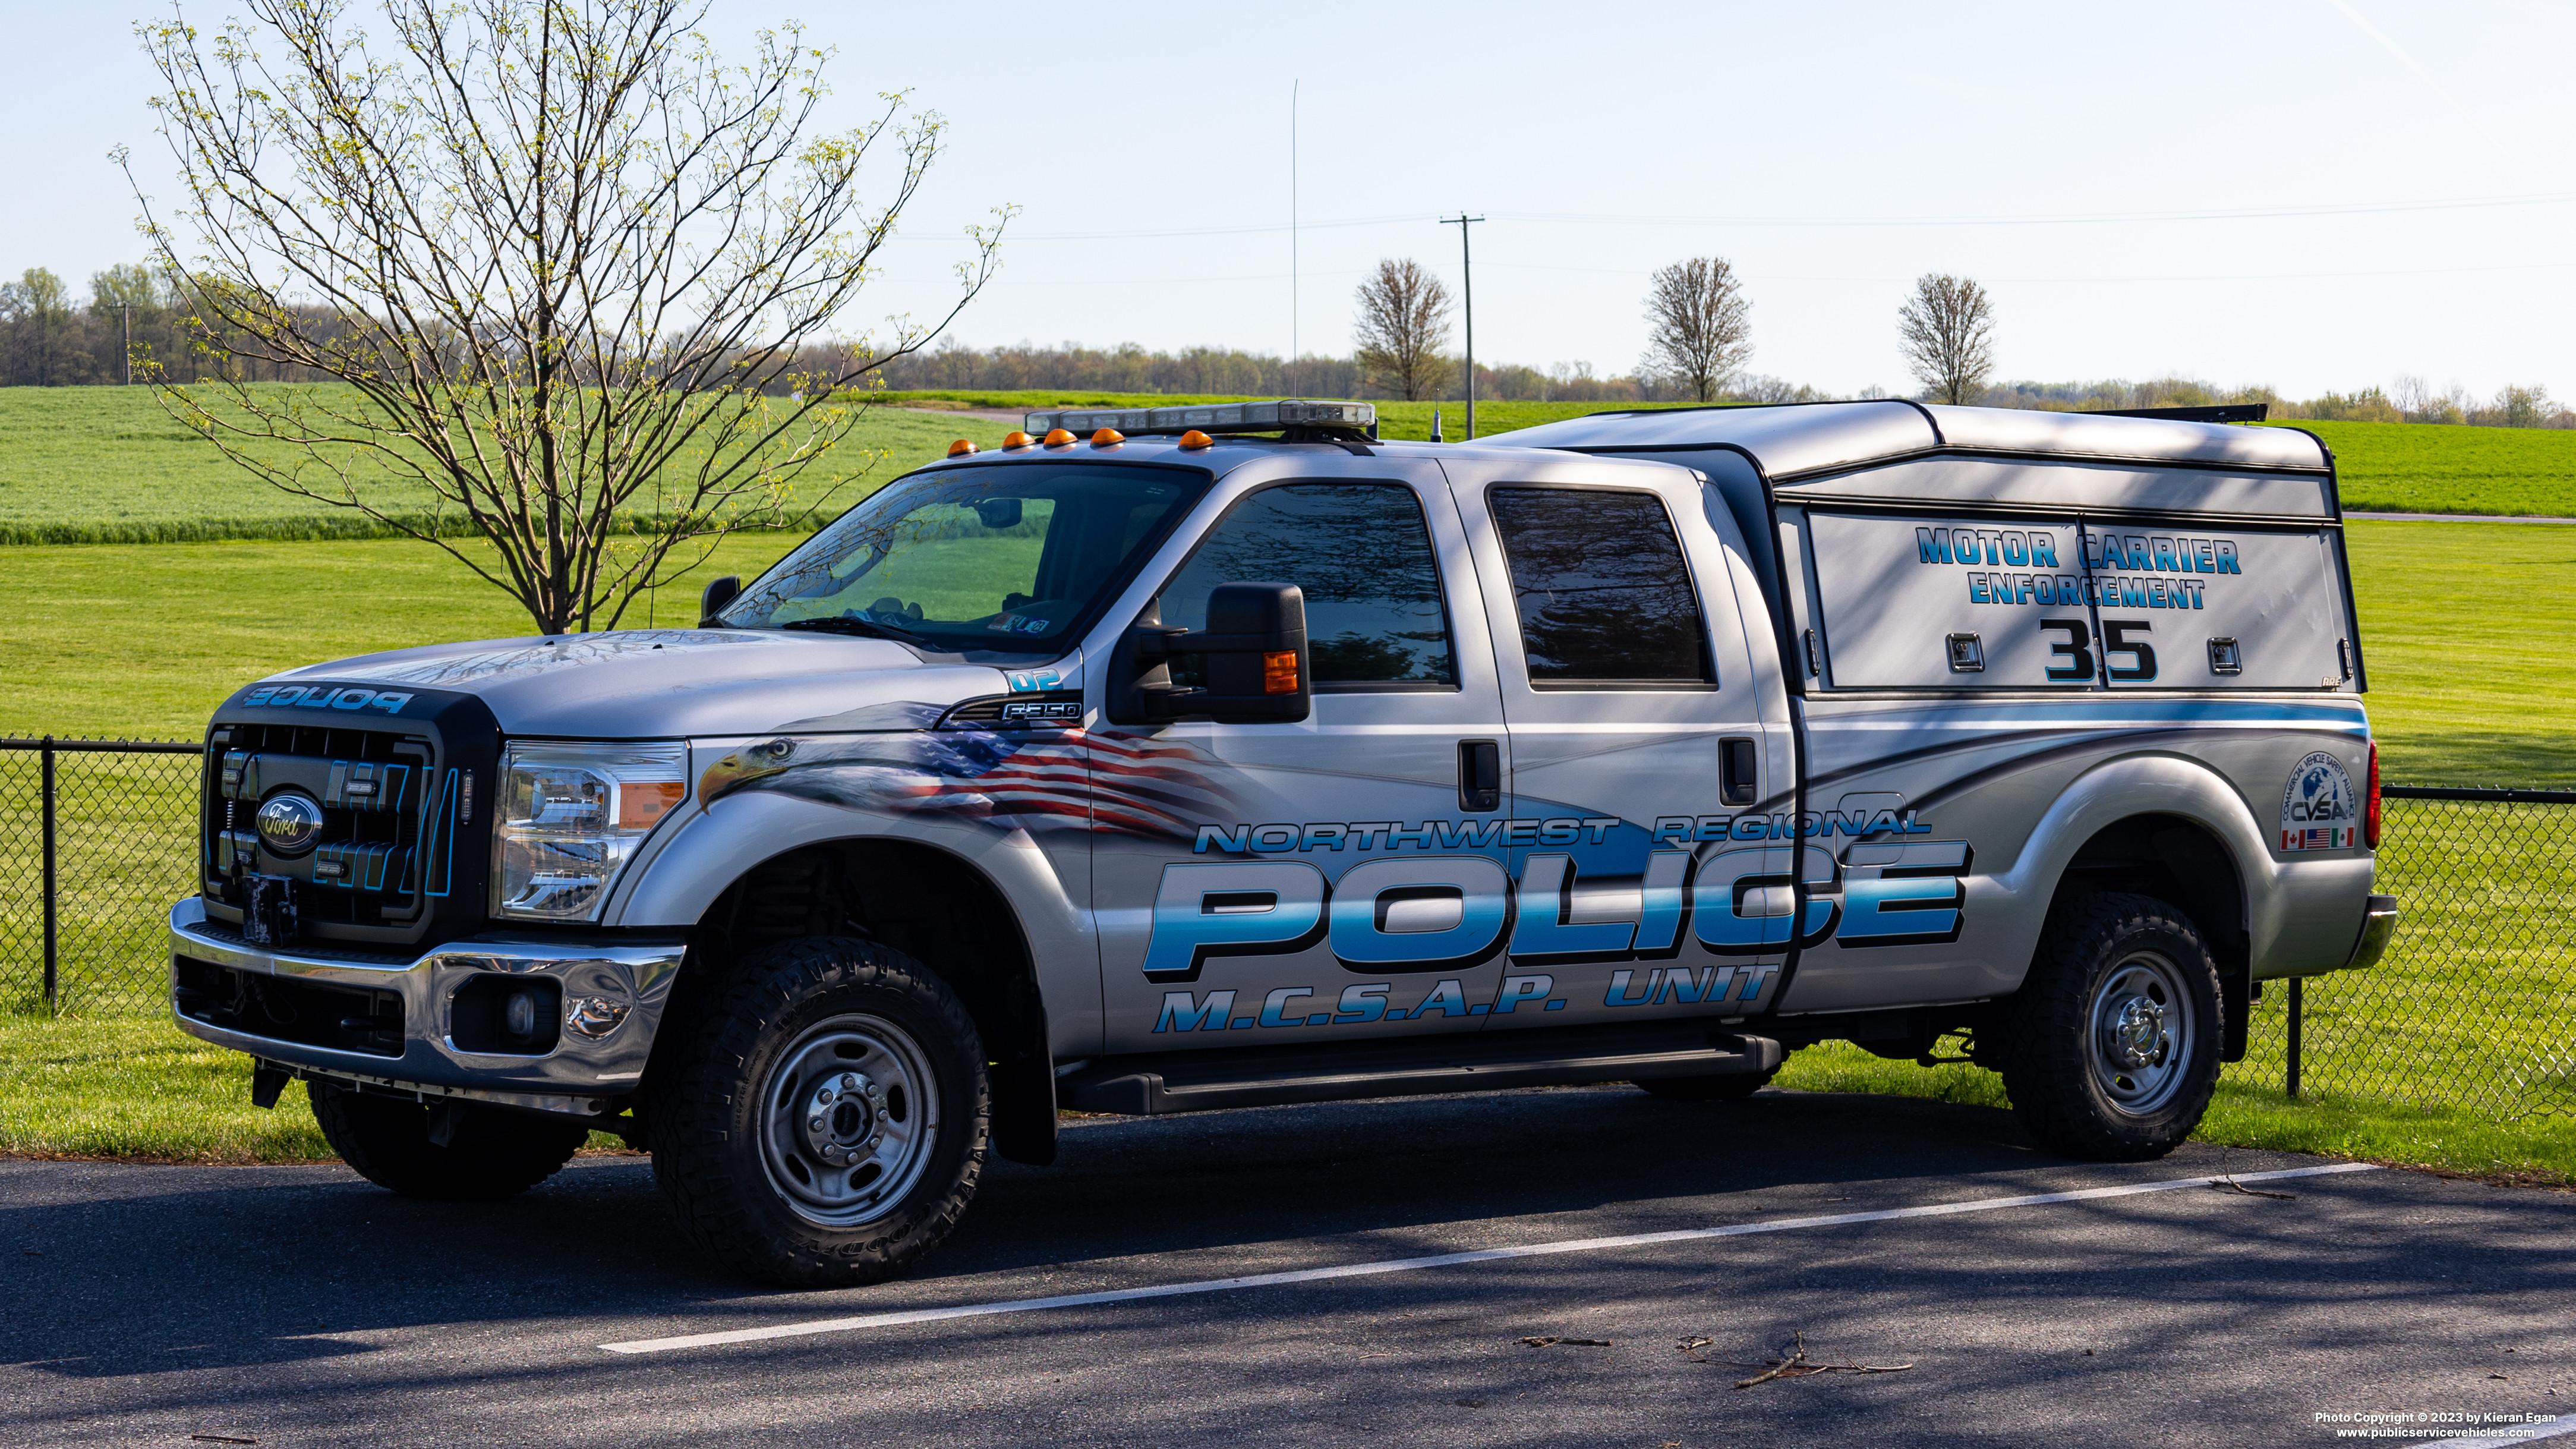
x=571 y=817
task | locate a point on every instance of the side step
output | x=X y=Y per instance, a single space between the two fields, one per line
x=1154 y=1086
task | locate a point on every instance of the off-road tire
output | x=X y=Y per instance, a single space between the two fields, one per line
x=717 y=1138
x=493 y=1153
x=2060 y=1064
x=1731 y=1087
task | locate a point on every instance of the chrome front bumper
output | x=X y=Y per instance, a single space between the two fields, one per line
x=613 y=996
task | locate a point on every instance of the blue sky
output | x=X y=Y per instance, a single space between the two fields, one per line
x=2312 y=193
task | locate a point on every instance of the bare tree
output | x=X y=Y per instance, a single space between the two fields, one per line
x=567 y=270
x=1948 y=330
x=1697 y=325
x=1403 y=325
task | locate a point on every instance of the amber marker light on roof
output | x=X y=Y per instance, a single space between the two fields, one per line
x=960 y=448
x=1016 y=439
x=1194 y=439
x=1059 y=438
x=1107 y=438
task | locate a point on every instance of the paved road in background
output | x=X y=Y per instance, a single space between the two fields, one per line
x=298 y=1306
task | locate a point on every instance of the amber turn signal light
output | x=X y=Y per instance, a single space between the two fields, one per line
x=1107 y=438
x=1016 y=439
x=642 y=803
x=960 y=448
x=1194 y=440
x=1059 y=438
x=1279 y=672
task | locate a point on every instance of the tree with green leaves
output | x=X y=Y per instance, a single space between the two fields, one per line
x=567 y=274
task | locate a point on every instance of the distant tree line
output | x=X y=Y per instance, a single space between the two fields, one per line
x=2408 y=400
x=49 y=337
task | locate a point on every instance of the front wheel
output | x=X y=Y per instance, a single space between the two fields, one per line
x=823 y=1120
x=2112 y=1042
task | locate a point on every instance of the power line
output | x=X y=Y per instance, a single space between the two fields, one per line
x=2097 y=218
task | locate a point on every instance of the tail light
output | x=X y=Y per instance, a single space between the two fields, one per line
x=2370 y=807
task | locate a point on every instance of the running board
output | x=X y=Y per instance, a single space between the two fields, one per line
x=1154 y=1086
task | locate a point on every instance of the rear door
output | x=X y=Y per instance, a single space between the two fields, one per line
x=1652 y=877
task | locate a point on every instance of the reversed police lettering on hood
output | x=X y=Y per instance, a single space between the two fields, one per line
x=325 y=696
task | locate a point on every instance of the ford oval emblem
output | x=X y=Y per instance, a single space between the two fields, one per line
x=290 y=822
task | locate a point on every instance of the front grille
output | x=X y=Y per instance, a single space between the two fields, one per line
x=384 y=847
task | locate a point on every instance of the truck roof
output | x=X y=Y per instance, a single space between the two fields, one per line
x=1794 y=439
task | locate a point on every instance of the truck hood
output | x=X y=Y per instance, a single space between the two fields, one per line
x=667 y=683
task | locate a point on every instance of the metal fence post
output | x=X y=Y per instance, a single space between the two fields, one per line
x=53 y=1003
x=2296 y=995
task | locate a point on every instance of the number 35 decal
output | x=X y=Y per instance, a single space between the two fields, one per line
x=2073 y=656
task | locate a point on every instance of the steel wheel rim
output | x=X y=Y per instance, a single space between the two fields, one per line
x=849 y=1117
x=2140 y=1034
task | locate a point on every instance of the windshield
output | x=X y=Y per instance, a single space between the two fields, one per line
x=1012 y=560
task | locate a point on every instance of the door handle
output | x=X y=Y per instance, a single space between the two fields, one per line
x=1739 y=772
x=1480 y=775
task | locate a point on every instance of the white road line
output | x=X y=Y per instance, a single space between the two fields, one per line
x=1440 y=1260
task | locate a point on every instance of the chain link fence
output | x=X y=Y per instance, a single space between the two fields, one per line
x=2474 y=1006
x=2472 y=1009
x=100 y=837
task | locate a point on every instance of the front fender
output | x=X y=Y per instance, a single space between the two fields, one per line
x=715 y=846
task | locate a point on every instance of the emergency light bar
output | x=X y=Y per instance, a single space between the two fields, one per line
x=1247 y=417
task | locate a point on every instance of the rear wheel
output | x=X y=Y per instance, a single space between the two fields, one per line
x=491 y=1153
x=2112 y=1046
x=823 y=1120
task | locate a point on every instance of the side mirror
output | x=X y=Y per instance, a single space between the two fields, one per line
x=1258 y=668
x=998 y=512
x=711 y=603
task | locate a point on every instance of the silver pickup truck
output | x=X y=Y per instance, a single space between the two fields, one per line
x=1184 y=758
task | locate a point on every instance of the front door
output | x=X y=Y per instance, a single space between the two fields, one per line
x=1342 y=876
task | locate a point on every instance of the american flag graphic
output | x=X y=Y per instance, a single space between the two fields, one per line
x=1034 y=780
x=2329 y=837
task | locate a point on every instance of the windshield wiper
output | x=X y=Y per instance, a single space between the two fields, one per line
x=866 y=627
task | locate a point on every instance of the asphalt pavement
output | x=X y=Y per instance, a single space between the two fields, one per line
x=297 y=1306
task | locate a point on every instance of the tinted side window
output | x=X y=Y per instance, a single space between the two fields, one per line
x=1362 y=554
x=1601 y=587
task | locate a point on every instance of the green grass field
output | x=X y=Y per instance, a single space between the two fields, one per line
x=2453 y=703
x=2426 y=468
x=144 y=639
x=107 y=465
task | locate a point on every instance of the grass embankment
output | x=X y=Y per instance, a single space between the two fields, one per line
x=2429 y=468
x=107 y=465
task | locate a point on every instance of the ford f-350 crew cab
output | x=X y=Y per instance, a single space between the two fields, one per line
x=1248 y=759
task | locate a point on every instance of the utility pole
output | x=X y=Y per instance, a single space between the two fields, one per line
x=1292 y=232
x=125 y=313
x=1467 y=273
